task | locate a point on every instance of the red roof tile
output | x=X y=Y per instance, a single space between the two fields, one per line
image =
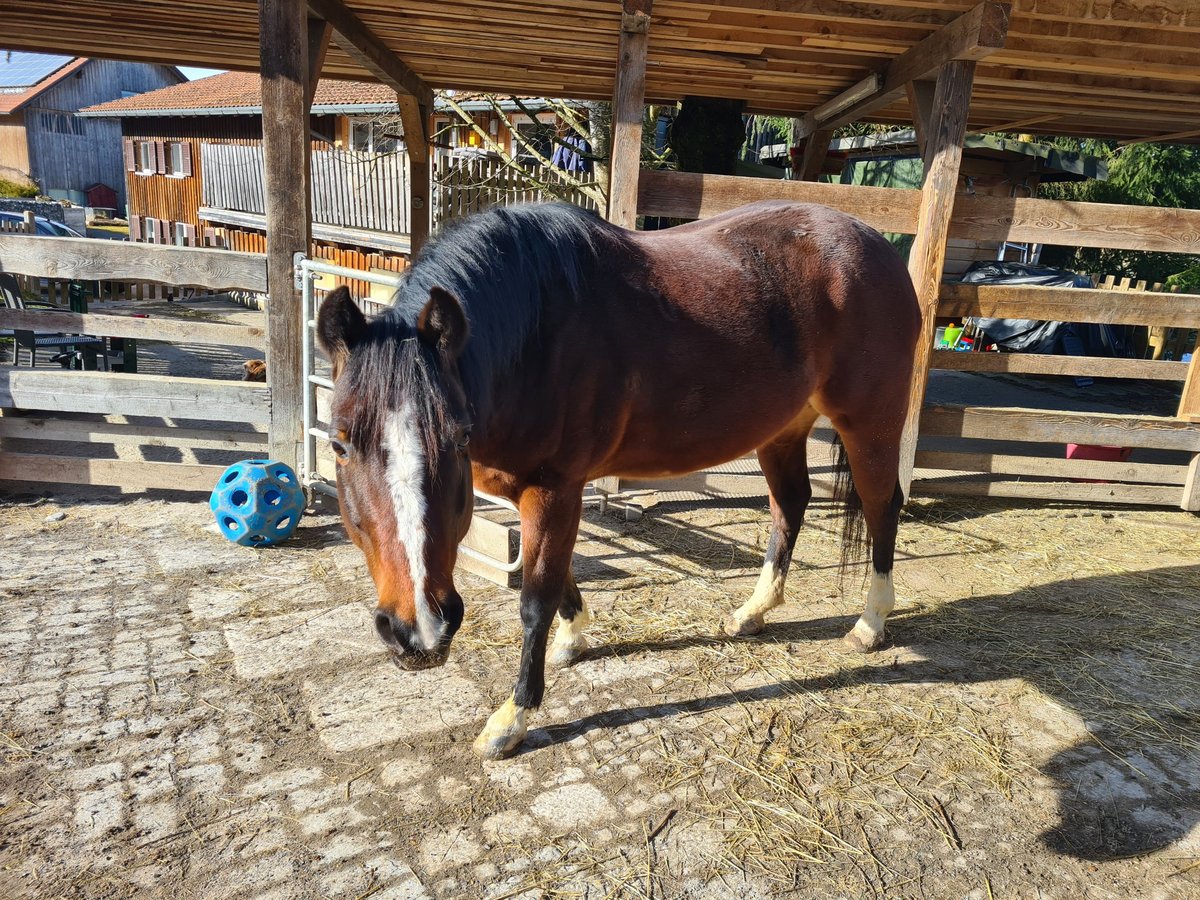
x=239 y=90
x=12 y=102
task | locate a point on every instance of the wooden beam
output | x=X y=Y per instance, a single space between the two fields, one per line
x=815 y=152
x=920 y=103
x=362 y=44
x=1189 y=401
x=183 y=331
x=283 y=52
x=1045 y=364
x=1023 y=123
x=1041 y=426
x=628 y=109
x=131 y=475
x=97 y=259
x=976 y=216
x=973 y=36
x=691 y=195
x=54 y=390
x=1063 y=491
x=1057 y=304
x=1051 y=466
x=1191 y=487
x=41 y=429
x=418 y=123
x=1162 y=138
x=319 y=32
x=927 y=258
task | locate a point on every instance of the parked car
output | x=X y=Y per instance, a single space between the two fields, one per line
x=43 y=226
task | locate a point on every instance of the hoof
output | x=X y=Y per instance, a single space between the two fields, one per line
x=503 y=733
x=735 y=627
x=565 y=654
x=862 y=641
x=491 y=747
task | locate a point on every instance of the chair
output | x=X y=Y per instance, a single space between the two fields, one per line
x=70 y=347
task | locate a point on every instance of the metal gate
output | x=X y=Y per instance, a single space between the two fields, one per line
x=308 y=272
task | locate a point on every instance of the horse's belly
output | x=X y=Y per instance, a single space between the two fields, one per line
x=666 y=445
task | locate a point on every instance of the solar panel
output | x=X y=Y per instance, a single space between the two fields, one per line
x=18 y=69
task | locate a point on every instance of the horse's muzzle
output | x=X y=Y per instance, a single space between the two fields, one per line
x=404 y=646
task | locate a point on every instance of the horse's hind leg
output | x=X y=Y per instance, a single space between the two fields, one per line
x=785 y=464
x=569 y=642
x=874 y=464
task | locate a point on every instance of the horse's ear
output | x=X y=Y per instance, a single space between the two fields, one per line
x=443 y=323
x=341 y=326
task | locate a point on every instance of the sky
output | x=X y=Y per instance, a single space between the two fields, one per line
x=194 y=72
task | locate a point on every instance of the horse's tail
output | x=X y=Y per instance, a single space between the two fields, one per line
x=856 y=540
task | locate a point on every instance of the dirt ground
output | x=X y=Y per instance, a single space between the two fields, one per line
x=182 y=717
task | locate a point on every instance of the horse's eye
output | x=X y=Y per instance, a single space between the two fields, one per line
x=340 y=450
x=463 y=438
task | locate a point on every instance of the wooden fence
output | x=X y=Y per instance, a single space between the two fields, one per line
x=465 y=186
x=69 y=427
x=973 y=463
x=350 y=188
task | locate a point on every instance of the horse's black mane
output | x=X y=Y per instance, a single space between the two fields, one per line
x=505 y=265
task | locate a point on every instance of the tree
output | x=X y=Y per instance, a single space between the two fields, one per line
x=1166 y=175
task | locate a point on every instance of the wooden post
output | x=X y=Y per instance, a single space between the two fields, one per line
x=920 y=102
x=283 y=57
x=418 y=133
x=1189 y=409
x=319 y=32
x=927 y=259
x=815 y=152
x=629 y=95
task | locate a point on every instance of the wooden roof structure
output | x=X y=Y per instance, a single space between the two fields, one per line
x=1128 y=69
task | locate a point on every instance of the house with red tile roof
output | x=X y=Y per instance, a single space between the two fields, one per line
x=42 y=141
x=192 y=155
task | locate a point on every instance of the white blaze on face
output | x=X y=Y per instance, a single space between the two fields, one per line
x=406 y=478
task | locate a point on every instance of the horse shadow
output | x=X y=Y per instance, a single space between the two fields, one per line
x=1121 y=651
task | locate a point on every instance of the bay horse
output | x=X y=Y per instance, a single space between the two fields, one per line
x=532 y=349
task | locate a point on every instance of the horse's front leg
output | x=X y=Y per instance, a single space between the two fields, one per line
x=549 y=524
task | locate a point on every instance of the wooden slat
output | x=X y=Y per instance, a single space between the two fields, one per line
x=360 y=42
x=977 y=217
x=1043 y=364
x=1076 y=224
x=120 y=326
x=283 y=52
x=136 y=395
x=927 y=259
x=1191 y=487
x=36 y=428
x=999 y=464
x=972 y=36
x=1065 y=491
x=97 y=259
x=1059 y=304
x=1018 y=424
x=689 y=195
x=129 y=475
x=628 y=110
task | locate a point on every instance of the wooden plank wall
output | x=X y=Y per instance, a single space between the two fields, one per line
x=70 y=427
x=350 y=188
x=976 y=467
x=466 y=186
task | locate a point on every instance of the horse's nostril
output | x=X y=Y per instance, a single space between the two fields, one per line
x=383 y=624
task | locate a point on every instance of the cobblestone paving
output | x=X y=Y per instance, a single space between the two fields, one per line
x=186 y=718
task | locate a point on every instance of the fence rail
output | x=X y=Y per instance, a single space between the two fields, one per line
x=350 y=188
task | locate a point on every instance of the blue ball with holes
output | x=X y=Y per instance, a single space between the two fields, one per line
x=257 y=502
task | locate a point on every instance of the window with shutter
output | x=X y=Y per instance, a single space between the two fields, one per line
x=190 y=231
x=135 y=228
x=160 y=154
x=130 y=156
x=163 y=233
x=187 y=157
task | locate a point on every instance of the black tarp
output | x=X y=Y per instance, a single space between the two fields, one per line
x=1030 y=336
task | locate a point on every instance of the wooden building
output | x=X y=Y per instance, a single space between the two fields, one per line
x=193 y=160
x=43 y=141
x=1126 y=70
